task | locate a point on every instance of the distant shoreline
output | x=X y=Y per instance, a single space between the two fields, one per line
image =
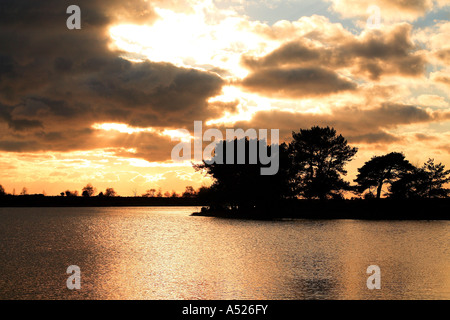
x=373 y=209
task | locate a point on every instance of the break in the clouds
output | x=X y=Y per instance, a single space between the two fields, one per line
x=139 y=70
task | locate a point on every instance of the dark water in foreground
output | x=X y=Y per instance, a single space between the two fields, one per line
x=163 y=253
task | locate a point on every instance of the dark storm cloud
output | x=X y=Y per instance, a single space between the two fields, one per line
x=296 y=83
x=356 y=124
x=291 y=53
x=56 y=83
x=29 y=13
x=6 y=65
x=17 y=124
x=19 y=146
x=149 y=88
x=374 y=138
x=444 y=55
x=441 y=78
x=425 y=137
x=149 y=146
x=374 y=54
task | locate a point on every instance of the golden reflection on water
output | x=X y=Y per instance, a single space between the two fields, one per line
x=163 y=253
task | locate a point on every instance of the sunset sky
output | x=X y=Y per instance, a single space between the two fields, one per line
x=101 y=105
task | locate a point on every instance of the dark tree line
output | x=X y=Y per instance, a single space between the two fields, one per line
x=312 y=166
x=90 y=191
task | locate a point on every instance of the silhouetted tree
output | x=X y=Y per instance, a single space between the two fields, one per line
x=167 y=194
x=205 y=194
x=382 y=169
x=437 y=178
x=2 y=191
x=318 y=159
x=369 y=195
x=242 y=185
x=24 y=191
x=62 y=194
x=425 y=182
x=110 y=192
x=149 y=193
x=71 y=193
x=410 y=184
x=88 y=190
x=174 y=195
x=189 y=192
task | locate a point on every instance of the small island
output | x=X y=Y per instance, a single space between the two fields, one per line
x=310 y=183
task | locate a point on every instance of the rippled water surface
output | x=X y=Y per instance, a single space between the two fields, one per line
x=164 y=253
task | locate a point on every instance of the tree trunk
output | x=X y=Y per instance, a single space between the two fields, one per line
x=380 y=186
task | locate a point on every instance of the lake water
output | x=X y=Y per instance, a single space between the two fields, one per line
x=164 y=253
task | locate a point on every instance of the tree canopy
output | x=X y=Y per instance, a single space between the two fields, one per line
x=319 y=157
x=88 y=190
x=242 y=185
x=425 y=182
x=381 y=170
x=110 y=192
